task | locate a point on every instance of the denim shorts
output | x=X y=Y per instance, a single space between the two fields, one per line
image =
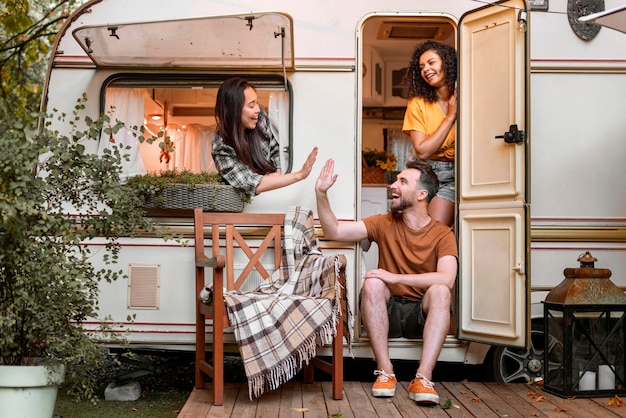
x=406 y=318
x=445 y=173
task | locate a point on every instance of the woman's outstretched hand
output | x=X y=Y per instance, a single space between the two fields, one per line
x=308 y=164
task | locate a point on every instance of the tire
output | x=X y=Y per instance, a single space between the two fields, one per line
x=525 y=365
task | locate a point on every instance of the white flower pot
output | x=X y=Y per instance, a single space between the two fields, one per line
x=29 y=391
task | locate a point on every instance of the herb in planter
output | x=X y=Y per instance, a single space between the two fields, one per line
x=207 y=190
x=375 y=158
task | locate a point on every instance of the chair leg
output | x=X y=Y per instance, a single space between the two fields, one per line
x=337 y=365
x=309 y=373
x=200 y=349
x=218 y=361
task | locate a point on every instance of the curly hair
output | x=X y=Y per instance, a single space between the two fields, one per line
x=414 y=84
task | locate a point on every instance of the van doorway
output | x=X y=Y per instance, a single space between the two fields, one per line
x=387 y=44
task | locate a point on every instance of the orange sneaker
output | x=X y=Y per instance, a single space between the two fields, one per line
x=422 y=390
x=385 y=384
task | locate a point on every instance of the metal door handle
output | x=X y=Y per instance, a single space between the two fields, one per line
x=513 y=136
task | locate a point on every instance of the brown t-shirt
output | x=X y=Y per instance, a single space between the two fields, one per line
x=404 y=251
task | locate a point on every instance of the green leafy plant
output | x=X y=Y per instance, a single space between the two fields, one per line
x=55 y=197
x=152 y=184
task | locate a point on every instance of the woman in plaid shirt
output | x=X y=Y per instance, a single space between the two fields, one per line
x=245 y=152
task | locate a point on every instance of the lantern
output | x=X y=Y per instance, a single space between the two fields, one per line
x=586 y=315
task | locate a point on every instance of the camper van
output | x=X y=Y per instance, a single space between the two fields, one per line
x=539 y=159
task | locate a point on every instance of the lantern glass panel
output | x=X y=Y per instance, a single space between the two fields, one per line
x=592 y=340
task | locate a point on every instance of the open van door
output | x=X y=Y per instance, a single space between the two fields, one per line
x=492 y=179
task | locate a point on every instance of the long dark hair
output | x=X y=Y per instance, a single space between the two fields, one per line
x=246 y=142
x=413 y=83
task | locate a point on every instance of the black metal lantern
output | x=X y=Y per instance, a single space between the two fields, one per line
x=585 y=327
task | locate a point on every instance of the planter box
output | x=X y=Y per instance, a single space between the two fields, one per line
x=372 y=175
x=210 y=197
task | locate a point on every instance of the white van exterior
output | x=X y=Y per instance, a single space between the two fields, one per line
x=326 y=70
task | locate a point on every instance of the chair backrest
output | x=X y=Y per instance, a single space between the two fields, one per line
x=228 y=233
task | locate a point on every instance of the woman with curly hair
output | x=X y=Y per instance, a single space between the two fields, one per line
x=430 y=118
x=245 y=151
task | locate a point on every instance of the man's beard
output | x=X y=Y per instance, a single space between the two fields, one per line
x=402 y=204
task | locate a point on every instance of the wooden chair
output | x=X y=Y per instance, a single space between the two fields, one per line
x=227 y=231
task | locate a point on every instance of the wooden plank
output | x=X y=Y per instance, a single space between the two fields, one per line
x=198 y=404
x=470 y=400
x=290 y=400
x=546 y=403
x=231 y=391
x=519 y=404
x=598 y=409
x=244 y=407
x=358 y=402
x=494 y=402
x=576 y=407
x=457 y=409
x=313 y=400
x=581 y=407
x=336 y=406
x=356 y=394
x=269 y=404
x=613 y=410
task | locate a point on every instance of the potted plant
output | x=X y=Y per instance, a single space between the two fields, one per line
x=173 y=189
x=48 y=284
x=375 y=164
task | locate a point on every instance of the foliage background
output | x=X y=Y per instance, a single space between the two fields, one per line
x=47 y=282
x=27 y=31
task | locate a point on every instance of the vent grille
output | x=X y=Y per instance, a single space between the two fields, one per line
x=144 y=285
x=414 y=30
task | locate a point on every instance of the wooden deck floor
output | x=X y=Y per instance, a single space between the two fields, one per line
x=467 y=399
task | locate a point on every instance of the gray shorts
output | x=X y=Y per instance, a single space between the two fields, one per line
x=406 y=318
x=445 y=174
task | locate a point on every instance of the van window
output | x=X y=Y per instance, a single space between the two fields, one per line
x=183 y=109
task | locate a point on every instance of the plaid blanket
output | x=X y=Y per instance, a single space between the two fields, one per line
x=278 y=326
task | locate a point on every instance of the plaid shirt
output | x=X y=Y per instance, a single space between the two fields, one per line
x=236 y=173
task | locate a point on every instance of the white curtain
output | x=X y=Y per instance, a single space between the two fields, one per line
x=192 y=150
x=125 y=105
x=278 y=113
x=401 y=146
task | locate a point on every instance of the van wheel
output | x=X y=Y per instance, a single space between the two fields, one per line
x=525 y=365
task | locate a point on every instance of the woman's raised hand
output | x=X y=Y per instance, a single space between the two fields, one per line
x=308 y=164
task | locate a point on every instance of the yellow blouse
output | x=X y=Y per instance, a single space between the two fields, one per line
x=425 y=117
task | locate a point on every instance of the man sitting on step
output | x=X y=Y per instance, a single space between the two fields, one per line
x=409 y=294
